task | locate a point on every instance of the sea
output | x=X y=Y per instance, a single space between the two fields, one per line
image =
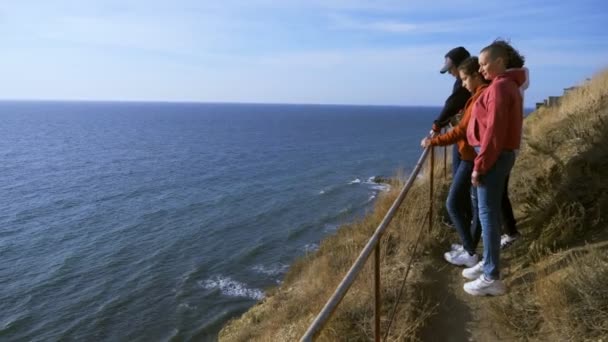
x=132 y=221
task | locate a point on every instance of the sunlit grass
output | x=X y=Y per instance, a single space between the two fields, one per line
x=560 y=193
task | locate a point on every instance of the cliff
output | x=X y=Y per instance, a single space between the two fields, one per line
x=556 y=273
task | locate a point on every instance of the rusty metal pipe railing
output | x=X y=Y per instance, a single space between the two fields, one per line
x=373 y=243
x=377 y=298
x=432 y=186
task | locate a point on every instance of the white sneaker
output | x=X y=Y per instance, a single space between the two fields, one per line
x=456 y=247
x=461 y=258
x=473 y=272
x=507 y=240
x=483 y=286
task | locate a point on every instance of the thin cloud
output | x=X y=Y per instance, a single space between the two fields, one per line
x=394 y=26
x=293 y=50
x=344 y=22
x=468 y=23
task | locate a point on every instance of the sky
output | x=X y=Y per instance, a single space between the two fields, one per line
x=291 y=51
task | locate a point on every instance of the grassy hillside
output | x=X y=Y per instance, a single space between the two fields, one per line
x=556 y=274
x=559 y=273
x=287 y=311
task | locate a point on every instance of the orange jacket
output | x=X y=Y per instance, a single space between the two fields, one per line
x=459 y=133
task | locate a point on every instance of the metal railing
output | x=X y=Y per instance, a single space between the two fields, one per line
x=374 y=244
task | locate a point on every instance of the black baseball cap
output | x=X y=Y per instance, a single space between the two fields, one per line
x=454 y=57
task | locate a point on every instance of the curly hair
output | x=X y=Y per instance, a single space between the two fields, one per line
x=501 y=48
x=470 y=67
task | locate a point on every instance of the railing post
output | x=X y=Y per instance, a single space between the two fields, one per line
x=432 y=162
x=377 y=299
x=372 y=245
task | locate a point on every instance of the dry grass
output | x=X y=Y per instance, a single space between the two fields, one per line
x=574 y=303
x=559 y=186
x=558 y=178
x=518 y=313
x=286 y=312
x=567 y=300
x=559 y=190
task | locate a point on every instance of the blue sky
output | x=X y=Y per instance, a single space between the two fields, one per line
x=290 y=51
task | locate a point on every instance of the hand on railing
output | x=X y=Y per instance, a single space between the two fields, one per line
x=373 y=244
x=426 y=141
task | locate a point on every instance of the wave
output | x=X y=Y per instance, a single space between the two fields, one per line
x=13 y=323
x=182 y=307
x=9 y=232
x=299 y=230
x=275 y=270
x=330 y=227
x=253 y=251
x=376 y=183
x=210 y=329
x=173 y=335
x=231 y=288
x=310 y=247
x=332 y=189
x=373 y=180
x=381 y=187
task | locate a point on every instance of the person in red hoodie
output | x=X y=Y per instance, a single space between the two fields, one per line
x=494 y=131
x=463 y=254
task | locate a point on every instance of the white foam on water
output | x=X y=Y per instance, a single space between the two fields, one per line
x=371 y=180
x=371 y=198
x=231 y=288
x=356 y=181
x=174 y=334
x=330 y=228
x=186 y=307
x=321 y=192
x=381 y=187
x=377 y=186
x=310 y=247
x=273 y=270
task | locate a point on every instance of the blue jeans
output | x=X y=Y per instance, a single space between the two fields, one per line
x=508 y=219
x=459 y=203
x=455 y=163
x=455 y=160
x=489 y=202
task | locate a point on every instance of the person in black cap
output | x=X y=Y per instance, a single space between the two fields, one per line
x=453 y=105
x=459 y=97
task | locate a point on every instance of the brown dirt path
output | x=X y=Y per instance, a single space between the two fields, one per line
x=458 y=315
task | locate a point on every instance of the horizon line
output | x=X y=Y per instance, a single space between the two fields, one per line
x=219 y=103
x=213 y=102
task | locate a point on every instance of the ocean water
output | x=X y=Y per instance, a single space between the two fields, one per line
x=161 y=221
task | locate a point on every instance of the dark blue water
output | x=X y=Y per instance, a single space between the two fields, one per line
x=150 y=221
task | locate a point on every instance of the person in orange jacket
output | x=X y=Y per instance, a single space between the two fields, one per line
x=469 y=232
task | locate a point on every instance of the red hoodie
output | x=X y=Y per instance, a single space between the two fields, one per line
x=497 y=118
